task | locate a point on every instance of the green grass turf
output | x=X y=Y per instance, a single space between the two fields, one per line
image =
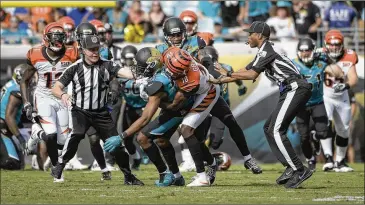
x=234 y=186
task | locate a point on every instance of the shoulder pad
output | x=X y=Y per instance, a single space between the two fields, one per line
x=154 y=87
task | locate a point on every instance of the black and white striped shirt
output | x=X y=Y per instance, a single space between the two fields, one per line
x=116 y=54
x=89 y=83
x=277 y=67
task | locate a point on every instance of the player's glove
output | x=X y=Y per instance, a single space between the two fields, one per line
x=28 y=110
x=339 y=87
x=242 y=89
x=19 y=142
x=112 y=143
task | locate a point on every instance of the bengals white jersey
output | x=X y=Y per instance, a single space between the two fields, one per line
x=348 y=59
x=49 y=70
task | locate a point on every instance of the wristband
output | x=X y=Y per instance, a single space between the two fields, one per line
x=123 y=135
x=27 y=104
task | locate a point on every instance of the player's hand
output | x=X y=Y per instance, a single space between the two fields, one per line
x=339 y=87
x=242 y=89
x=112 y=97
x=112 y=143
x=28 y=108
x=141 y=81
x=220 y=69
x=66 y=99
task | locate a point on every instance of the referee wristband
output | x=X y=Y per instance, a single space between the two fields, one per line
x=123 y=135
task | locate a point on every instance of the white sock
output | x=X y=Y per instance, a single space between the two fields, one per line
x=177 y=175
x=340 y=153
x=136 y=155
x=165 y=172
x=311 y=159
x=327 y=146
x=202 y=176
x=105 y=169
x=247 y=157
x=186 y=156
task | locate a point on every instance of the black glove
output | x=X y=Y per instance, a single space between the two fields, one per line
x=28 y=108
x=112 y=97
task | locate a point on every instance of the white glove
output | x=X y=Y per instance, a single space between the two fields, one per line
x=141 y=81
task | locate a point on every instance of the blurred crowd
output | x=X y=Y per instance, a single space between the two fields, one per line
x=140 y=21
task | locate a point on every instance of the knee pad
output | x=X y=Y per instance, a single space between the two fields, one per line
x=162 y=143
x=321 y=135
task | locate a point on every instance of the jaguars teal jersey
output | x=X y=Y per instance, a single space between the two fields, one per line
x=192 y=44
x=9 y=88
x=168 y=85
x=224 y=87
x=105 y=53
x=314 y=76
x=131 y=93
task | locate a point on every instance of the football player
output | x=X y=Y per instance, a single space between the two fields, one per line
x=104 y=50
x=313 y=69
x=69 y=27
x=159 y=88
x=49 y=61
x=336 y=97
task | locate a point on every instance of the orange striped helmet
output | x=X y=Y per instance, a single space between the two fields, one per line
x=54 y=36
x=190 y=19
x=177 y=62
x=69 y=27
x=334 y=43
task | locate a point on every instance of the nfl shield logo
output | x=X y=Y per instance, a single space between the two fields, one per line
x=54 y=68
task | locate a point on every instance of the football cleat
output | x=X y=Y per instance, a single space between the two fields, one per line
x=166 y=179
x=288 y=173
x=106 y=176
x=56 y=172
x=312 y=165
x=298 y=178
x=342 y=167
x=130 y=179
x=198 y=182
x=75 y=164
x=328 y=166
x=211 y=173
x=179 y=181
x=35 y=137
x=252 y=165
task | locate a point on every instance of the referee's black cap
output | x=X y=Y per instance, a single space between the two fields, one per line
x=90 y=41
x=259 y=27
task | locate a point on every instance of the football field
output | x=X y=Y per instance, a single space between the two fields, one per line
x=236 y=186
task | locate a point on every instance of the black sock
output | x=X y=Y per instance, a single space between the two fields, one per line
x=129 y=145
x=237 y=135
x=51 y=143
x=306 y=147
x=196 y=153
x=154 y=154
x=206 y=153
x=169 y=154
x=122 y=159
x=98 y=154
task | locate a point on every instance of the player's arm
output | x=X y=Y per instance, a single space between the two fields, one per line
x=352 y=77
x=26 y=78
x=242 y=74
x=148 y=112
x=179 y=100
x=15 y=101
x=64 y=80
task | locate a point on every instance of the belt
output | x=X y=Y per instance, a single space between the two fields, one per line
x=291 y=79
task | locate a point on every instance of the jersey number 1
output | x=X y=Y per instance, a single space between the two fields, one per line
x=51 y=76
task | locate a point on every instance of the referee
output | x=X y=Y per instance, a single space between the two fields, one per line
x=294 y=93
x=90 y=77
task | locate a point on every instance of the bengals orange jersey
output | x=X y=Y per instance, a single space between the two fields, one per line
x=207 y=37
x=49 y=70
x=195 y=81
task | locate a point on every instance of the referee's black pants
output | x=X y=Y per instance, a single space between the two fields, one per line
x=290 y=103
x=102 y=121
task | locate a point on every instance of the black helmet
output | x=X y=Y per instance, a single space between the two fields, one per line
x=128 y=54
x=86 y=36
x=210 y=51
x=173 y=26
x=306 y=45
x=148 y=62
